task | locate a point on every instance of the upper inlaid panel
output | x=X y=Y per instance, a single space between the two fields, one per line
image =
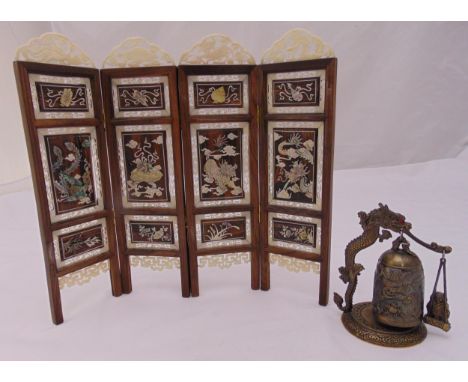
x=218 y=94
x=296 y=92
x=62 y=97
x=140 y=97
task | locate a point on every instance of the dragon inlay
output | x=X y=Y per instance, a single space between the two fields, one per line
x=372 y=223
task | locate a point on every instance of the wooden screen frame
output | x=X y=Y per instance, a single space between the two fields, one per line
x=31 y=126
x=325 y=214
x=191 y=210
x=120 y=211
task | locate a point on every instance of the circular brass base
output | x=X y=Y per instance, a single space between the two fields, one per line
x=360 y=322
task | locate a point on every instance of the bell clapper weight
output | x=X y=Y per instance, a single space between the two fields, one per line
x=394 y=318
x=437 y=308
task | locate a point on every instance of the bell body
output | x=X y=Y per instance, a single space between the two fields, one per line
x=398 y=289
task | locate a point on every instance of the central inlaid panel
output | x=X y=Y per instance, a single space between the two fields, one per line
x=71 y=171
x=295 y=164
x=146 y=165
x=220 y=159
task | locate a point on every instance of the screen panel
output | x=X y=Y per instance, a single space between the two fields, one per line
x=218 y=115
x=63 y=124
x=296 y=163
x=141 y=106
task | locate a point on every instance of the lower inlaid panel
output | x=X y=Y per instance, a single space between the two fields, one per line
x=151 y=232
x=299 y=233
x=79 y=242
x=223 y=229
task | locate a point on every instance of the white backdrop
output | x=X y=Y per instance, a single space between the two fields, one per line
x=402 y=87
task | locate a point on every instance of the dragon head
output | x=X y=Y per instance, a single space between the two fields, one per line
x=385 y=218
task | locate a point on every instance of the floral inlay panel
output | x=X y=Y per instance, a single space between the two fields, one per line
x=151 y=232
x=71 y=171
x=220 y=163
x=218 y=94
x=296 y=92
x=61 y=97
x=223 y=229
x=301 y=92
x=70 y=166
x=79 y=242
x=294 y=232
x=146 y=165
x=295 y=161
x=300 y=233
x=141 y=97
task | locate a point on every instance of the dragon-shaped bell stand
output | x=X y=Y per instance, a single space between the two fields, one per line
x=394 y=318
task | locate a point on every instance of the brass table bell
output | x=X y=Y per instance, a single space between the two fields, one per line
x=395 y=317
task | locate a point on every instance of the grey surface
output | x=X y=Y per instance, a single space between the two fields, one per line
x=229 y=321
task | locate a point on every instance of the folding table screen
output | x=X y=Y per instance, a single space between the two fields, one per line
x=219 y=122
x=143 y=135
x=63 y=124
x=296 y=163
x=245 y=175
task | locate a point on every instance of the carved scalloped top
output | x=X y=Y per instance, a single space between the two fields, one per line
x=297 y=45
x=217 y=49
x=53 y=48
x=137 y=52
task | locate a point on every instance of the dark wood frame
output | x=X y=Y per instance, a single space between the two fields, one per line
x=31 y=126
x=186 y=120
x=328 y=118
x=120 y=211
